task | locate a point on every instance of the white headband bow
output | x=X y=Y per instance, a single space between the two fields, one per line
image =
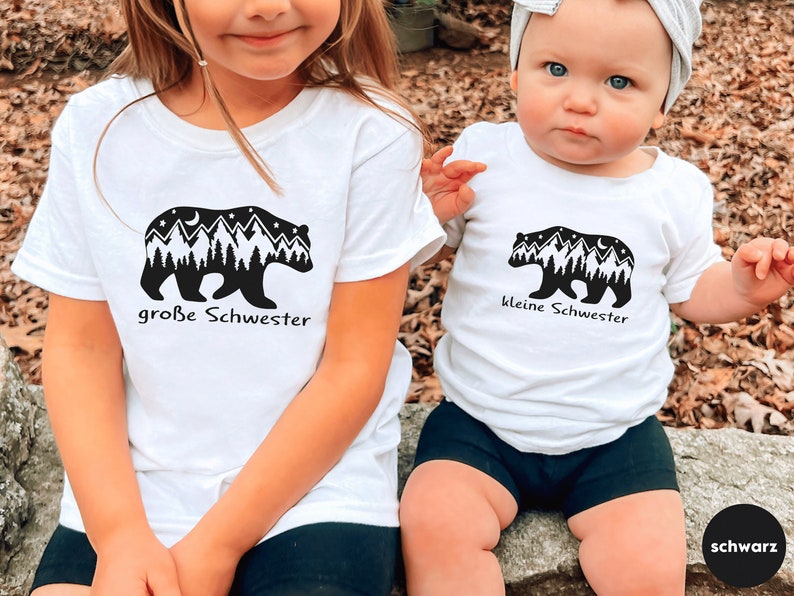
x=680 y=18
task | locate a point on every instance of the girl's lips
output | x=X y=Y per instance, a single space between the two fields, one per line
x=265 y=39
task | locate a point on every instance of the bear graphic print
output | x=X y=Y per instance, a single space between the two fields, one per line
x=565 y=255
x=239 y=244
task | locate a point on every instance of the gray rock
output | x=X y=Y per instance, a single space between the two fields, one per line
x=720 y=468
x=716 y=469
x=17 y=431
x=41 y=477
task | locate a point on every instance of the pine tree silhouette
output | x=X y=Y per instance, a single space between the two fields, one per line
x=157 y=259
x=230 y=259
x=256 y=258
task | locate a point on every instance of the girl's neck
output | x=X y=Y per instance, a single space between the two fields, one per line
x=248 y=102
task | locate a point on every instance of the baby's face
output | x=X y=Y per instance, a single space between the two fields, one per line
x=590 y=82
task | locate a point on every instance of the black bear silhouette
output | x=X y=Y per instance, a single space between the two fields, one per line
x=191 y=242
x=566 y=255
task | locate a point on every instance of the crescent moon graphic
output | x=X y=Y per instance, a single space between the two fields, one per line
x=195 y=219
x=600 y=244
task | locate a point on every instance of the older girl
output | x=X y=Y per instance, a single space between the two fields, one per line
x=225 y=234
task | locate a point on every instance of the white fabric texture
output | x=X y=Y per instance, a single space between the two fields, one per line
x=576 y=367
x=217 y=341
x=680 y=18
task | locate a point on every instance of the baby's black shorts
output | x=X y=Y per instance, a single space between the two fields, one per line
x=640 y=460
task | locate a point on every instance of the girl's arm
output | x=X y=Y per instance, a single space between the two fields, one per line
x=84 y=392
x=310 y=437
x=760 y=272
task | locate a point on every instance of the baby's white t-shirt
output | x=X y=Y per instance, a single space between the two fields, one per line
x=557 y=311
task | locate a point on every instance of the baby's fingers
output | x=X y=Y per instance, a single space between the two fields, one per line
x=757 y=259
x=780 y=250
x=433 y=164
x=785 y=265
x=440 y=156
x=465 y=198
x=463 y=169
x=763 y=264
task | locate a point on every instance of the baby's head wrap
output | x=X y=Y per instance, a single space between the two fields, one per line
x=680 y=18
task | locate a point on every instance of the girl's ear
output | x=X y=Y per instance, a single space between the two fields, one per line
x=514 y=80
x=658 y=120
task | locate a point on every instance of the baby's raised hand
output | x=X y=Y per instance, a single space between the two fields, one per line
x=763 y=269
x=446 y=185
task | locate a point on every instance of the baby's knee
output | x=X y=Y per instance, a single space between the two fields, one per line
x=421 y=506
x=650 y=564
x=451 y=503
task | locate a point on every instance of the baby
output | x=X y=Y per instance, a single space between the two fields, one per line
x=578 y=244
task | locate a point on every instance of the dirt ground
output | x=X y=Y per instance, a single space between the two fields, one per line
x=734 y=121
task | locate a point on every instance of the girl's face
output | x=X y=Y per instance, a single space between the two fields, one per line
x=259 y=40
x=591 y=81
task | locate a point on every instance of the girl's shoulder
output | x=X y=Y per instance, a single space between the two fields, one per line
x=379 y=115
x=112 y=92
x=88 y=112
x=99 y=103
x=377 y=104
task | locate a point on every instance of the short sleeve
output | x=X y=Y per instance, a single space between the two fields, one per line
x=55 y=254
x=694 y=250
x=389 y=220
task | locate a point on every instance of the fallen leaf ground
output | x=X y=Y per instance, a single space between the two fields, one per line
x=734 y=121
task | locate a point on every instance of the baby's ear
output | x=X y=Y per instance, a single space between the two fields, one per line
x=514 y=80
x=658 y=120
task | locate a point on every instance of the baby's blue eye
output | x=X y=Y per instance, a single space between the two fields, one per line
x=619 y=82
x=556 y=69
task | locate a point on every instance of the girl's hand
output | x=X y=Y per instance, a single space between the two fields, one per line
x=445 y=185
x=203 y=566
x=135 y=565
x=763 y=270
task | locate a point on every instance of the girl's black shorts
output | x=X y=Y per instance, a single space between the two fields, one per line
x=640 y=460
x=328 y=559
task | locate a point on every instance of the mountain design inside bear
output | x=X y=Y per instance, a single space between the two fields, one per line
x=566 y=255
x=239 y=244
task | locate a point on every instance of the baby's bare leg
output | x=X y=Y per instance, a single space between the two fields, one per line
x=634 y=544
x=451 y=516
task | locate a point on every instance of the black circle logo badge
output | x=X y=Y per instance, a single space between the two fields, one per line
x=744 y=546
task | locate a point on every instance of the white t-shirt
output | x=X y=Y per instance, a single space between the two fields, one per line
x=220 y=289
x=557 y=312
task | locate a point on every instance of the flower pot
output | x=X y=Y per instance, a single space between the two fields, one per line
x=413 y=27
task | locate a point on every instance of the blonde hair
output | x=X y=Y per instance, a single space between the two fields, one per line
x=359 y=57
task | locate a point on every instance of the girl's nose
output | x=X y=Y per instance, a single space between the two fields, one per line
x=266 y=9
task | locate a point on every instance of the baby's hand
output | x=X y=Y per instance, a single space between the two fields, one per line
x=445 y=185
x=763 y=269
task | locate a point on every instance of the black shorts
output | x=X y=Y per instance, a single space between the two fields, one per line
x=332 y=559
x=640 y=460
